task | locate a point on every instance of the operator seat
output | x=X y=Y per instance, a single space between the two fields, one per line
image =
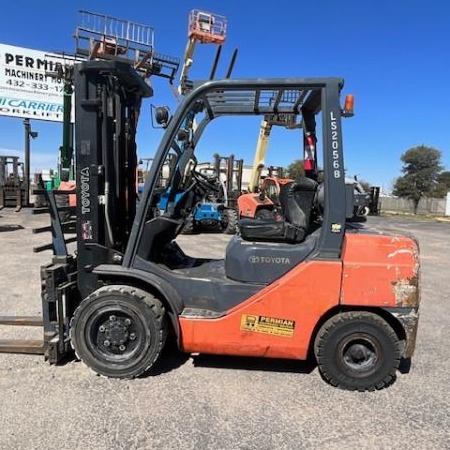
x=297 y=200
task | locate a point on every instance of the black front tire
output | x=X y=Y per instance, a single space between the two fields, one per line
x=119 y=331
x=357 y=350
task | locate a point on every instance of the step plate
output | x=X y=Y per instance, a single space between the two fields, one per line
x=22 y=346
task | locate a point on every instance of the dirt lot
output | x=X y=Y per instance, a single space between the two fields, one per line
x=206 y=402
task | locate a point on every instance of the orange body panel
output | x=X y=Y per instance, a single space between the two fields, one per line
x=376 y=271
x=380 y=270
x=69 y=186
x=298 y=300
x=248 y=204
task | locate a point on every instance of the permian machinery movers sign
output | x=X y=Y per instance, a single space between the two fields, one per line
x=26 y=88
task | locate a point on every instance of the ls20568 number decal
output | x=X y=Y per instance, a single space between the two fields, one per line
x=335 y=146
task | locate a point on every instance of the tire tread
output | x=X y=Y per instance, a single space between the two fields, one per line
x=152 y=303
x=356 y=316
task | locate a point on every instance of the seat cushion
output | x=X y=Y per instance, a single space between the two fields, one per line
x=261 y=230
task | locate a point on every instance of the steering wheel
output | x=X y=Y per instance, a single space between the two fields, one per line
x=209 y=183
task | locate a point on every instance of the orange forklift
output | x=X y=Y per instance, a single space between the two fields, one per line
x=266 y=203
x=307 y=286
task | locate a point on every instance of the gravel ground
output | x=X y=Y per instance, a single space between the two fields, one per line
x=205 y=402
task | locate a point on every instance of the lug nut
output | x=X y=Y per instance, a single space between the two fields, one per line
x=127 y=321
x=122 y=348
x=106 y=343
x=132 y=336
x=112 y=318
x=101 y=328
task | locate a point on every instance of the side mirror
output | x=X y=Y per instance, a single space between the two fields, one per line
x=162 y=116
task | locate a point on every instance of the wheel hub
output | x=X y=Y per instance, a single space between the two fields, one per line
x=360 y=355
x=116 y=332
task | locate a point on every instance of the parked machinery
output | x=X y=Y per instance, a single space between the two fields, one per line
x=12 y=185
x=263 y=201
x=217 y=210
x=287 y=121
x=101 y=37
x=265 y=204
x=204 y=28
x=374 y=207
x=295 y=288
x=362 y=200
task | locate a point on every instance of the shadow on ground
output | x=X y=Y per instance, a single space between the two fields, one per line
x=254 y=364
x=171 y=358
x=12 y=227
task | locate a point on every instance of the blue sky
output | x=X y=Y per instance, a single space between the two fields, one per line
x=393 y=55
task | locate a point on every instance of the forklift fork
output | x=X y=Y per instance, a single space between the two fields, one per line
x=59 y=295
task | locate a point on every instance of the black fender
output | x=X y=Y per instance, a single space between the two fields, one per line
x=147 y=281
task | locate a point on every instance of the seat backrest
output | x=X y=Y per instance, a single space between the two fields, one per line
x=297 y=199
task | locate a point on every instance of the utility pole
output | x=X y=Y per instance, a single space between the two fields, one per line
x=28 y=134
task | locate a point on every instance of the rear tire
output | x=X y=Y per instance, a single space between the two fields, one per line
x=357 y=351
x=230 y=222
x=119 y=331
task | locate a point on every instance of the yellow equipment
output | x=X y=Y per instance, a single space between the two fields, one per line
x=285 y=120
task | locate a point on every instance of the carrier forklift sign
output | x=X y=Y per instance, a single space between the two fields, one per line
x=26 y=88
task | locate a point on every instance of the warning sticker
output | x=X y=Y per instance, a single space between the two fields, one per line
x=267 y=325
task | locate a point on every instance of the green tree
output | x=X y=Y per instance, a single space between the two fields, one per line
x=442 y=186
x=421 y=168
x=296 y=169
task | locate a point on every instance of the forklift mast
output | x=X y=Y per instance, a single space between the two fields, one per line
x=109 y=95
x=232 y=169
x=66 y=156
x=102 y=37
